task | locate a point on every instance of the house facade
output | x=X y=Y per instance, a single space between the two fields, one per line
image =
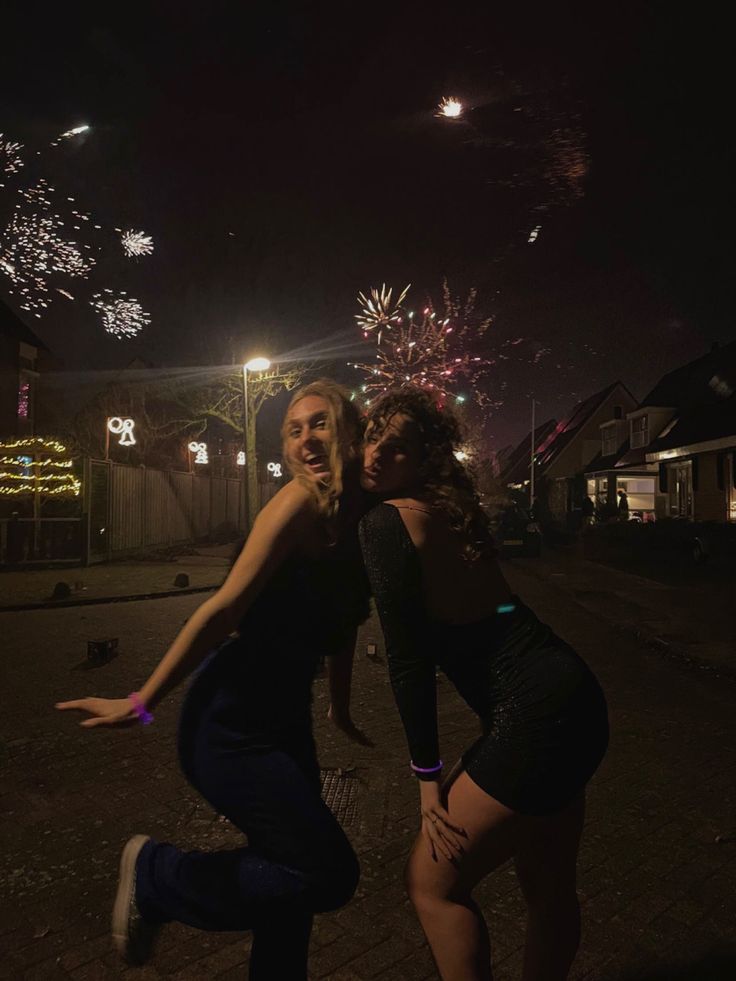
x=678 y=457
x=562 y=459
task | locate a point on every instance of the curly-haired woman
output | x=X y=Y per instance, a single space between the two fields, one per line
x=296 y=591
x=518 y=791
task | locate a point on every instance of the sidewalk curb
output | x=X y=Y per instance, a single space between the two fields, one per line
x=671 y=651
x=98 y=600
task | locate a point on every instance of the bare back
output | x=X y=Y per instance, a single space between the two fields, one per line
x=455 y=590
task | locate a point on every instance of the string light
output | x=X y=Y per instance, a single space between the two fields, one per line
x=17 y=480
x=200 y=449
x=122 y=427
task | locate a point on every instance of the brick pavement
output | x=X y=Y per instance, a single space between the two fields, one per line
x=656 y=883
x=693 y=620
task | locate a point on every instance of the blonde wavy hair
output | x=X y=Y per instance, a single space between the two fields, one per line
x=346 y=426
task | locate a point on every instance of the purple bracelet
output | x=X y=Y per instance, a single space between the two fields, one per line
x=144 y=716
x=428 y=769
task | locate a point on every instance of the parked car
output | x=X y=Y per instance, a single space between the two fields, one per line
x=517 y=533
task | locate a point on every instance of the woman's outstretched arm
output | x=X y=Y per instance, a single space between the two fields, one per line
x=283 y=523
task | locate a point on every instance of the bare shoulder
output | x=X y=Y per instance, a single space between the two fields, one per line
x=293 y=503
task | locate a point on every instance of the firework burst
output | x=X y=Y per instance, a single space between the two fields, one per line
x=377 y=311
x=47 y=235
x=10 y=158
x=450 y=109
x=69 y=133
x=432 y=351
x=136 y=244
x=122 y=315
x=33 y=248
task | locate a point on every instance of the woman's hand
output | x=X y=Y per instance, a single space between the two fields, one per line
x=346 y=725
x=104 y=711
x=441 y=834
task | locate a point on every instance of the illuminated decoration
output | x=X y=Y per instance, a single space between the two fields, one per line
x=136 y=244
x=450 y=108
x=36 y=466
x=200 y=449
x=534 y=234
x=241 y=458
x=122 y=426
x=461 y=456
x=430 y=350
x=274 y=469
x=122 y=315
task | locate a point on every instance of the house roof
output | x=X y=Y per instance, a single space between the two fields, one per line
x=566 y=430
x=515 y=467
x=12 y=326
x=692 y=383
x=601 y=463
x=702 y=423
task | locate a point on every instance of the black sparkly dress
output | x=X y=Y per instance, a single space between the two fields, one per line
x=543 y=714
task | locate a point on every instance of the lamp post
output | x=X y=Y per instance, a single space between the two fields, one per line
x=250 y=471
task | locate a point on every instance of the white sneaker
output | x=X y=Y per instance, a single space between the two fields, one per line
x=132 y=935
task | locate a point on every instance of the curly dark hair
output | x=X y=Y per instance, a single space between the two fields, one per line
x=448 y=485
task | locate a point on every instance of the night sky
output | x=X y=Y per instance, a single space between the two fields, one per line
x=285 y=158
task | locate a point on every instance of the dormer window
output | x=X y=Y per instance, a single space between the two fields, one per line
x=640 y=431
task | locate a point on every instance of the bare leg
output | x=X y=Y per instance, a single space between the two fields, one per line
x=441 y=891
x=546 y=868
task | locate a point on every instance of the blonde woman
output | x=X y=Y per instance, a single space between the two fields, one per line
x=295 y=593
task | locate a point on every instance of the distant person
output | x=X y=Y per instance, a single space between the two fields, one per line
x=542 y=514
x=518 y=791
x=297 y=590
x=623 y=505
x=588 y=510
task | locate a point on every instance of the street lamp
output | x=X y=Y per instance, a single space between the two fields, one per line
x=250 y=473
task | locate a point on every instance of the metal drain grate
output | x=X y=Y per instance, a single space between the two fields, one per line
x=340 y=793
